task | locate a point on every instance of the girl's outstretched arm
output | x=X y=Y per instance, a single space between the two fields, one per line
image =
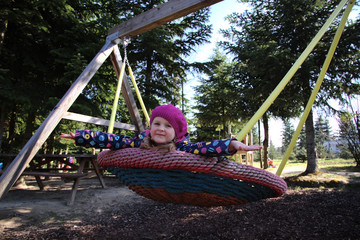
x=236 y=145
x=68 y=136
x=98 y=139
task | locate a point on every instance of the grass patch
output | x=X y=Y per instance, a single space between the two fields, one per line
x=319 y=179
x=333 y=173
x=340 y=168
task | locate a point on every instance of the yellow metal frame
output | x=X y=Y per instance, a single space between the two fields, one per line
x=291 y=72
x=317 y=87
x=139 y=95
x=116 y=99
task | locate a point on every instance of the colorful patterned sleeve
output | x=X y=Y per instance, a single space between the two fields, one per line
x=212 y=148
x=98 y=139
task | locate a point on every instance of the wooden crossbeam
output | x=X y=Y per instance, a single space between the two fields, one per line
x=97 y=121
x=158 y=16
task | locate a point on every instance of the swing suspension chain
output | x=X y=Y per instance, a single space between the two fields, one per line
x=118 y=89
x=126 y=41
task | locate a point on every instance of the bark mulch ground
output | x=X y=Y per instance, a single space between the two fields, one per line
x=316 y=213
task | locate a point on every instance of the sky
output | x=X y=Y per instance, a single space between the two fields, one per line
x=203 y=53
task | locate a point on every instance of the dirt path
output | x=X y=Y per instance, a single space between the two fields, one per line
x=26 y=205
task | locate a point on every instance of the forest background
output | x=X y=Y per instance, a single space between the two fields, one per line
x=45 y=45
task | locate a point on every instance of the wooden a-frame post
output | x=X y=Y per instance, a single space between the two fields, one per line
x=144 y=22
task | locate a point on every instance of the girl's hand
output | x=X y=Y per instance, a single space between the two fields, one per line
x=68 y=136
x=236 y=145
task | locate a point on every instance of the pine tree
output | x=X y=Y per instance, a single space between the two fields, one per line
x=322 y=134
x=45 y=45
x=301 y=146
x=158 y=57
x=215 y=96
x=266 y=42
x=287 y=134
x=350 y=131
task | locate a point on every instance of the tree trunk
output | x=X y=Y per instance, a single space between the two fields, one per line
x=310 y=145
x=4 y=21
x=266 y=141
x=224 y=123
x=2 y=122
x=29 y=128
x=12 y=124
x=259 y=125
x=148 y=77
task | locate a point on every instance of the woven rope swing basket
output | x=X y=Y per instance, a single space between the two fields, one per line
x=186 y=178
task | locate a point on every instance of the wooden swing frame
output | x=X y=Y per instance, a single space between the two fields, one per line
x=146 y=21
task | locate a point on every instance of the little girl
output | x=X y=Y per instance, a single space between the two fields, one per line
x=168 y=132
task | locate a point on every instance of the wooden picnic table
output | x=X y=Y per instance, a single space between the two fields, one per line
x=59 y=165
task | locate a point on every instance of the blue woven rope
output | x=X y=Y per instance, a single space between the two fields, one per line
x=180 y=181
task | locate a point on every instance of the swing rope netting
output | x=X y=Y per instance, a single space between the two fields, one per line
x=181 y=177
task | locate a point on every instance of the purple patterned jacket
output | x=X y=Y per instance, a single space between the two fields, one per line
x=98 y=139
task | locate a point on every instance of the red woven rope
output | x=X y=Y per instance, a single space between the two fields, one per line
x=179 y=160
x=197 y=199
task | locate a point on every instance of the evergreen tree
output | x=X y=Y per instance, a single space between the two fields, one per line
x=287 y=135
x=266 y=42
x=215 y=97
x=43 y=42
x=322 y=129
x=301 y=146
x=273 y=152
x=158 y=56
x=350 y=131
x=322 y=134
x=45 y=45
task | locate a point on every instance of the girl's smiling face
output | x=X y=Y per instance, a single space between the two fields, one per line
x=161 y=131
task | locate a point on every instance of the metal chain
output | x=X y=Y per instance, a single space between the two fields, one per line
x=126 y=41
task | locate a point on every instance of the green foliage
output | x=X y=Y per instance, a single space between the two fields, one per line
x=300 y=149
x=41 y=38
x=350 y=131
x=322 y=131
x=45 y=45
x=322 y=134
x=216 y=97
x=287 y=134
x=301 y=154
x=273 y=151
x=345 y=152
x=203 y=134
x=267 y=40
x=159 y=65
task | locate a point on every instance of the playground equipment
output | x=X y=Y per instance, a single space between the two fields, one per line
x=187 y=178
x=139 y=24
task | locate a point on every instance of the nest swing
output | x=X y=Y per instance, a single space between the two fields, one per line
x=186 y=178
x=181 y=177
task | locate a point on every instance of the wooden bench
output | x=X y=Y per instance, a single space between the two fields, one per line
x=36 y=169
x=248 y=156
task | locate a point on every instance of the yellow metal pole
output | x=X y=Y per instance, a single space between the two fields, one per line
x=317 y=86
x=290 y=73
x=116 y=100
x=139 y=95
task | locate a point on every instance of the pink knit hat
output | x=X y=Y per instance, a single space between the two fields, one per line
x=174 y=116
